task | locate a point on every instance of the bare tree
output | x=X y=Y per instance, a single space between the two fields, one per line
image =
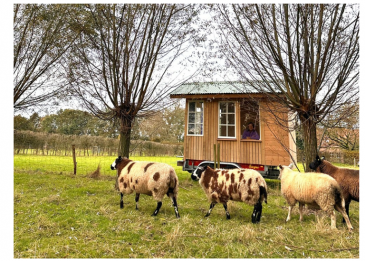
x=341 y=128
x=42 y=35
x=120 y=69
x=304 y=55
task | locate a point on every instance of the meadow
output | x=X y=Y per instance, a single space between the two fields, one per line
x=61 y=215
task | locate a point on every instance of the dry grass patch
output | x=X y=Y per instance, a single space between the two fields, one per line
x=95 y=174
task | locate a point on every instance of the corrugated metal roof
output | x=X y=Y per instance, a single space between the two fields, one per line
x=214 y=88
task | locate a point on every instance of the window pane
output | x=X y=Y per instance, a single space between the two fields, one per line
x=223 y=131
x=198 y=129
x=231 y=118
x=223 y=119
x=191 y=117
x=231 y=107
x=191 y=106
x=198 y=117
x=231 y=131
x=223 y=107
x=191 y=129
x=199 y=107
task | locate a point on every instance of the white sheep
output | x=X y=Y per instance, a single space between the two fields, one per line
x=149 y=178
x=243 y=185
x=315 y=190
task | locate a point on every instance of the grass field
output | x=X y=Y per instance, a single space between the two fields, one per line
x=60 y=215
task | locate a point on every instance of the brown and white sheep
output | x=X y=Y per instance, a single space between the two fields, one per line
x=149 y=178
x=315 y=190
x=244 y=185
x=348 y=179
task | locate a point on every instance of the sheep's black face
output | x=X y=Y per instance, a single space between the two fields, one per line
x=316 y=163
x=116 y=162
x=197 y=173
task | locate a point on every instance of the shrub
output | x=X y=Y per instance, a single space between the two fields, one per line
x=59 y=144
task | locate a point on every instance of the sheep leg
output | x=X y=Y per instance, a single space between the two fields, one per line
x=333 y=219
x=256 y=214
x=227 y=213
x=301 y=205
x=210 y=209
x=347 y=206
x=159 y=204
x=121 y=200
x=174 y=203
x=170 y=194
x=137 y=199
x=289 y=213
x=344 y=215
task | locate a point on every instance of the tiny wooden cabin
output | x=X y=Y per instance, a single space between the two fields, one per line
x=219 y=113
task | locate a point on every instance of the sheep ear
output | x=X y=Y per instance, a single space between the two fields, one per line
x=281 y=167
x=291 y=165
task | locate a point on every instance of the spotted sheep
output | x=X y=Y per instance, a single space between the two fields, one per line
x=243 y=185
x=317 y=191
x=149 y=178
x=348 y=179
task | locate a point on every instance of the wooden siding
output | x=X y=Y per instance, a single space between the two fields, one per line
x=276 y=137
x=267 y=151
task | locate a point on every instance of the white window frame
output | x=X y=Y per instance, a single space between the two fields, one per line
x=235 y=120
x=187 y=121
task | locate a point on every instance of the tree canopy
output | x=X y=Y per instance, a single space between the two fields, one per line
x=119 y=68
x=42 y=35
x=306 y=56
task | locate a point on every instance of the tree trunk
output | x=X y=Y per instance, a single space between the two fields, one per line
x=310 y=141
x=125 y=137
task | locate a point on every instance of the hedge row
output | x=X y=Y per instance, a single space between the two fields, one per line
x=39 y=143
x=343 y=156
x=346 y=157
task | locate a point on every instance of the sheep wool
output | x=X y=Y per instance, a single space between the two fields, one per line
x=149 y=178
x=348 y=179
x=315 y=190
x=243 y=185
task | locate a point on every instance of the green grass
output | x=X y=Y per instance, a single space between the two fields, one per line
x=60 y=215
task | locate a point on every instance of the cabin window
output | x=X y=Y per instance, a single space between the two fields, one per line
x=195 y=118
x=249 y=113
x=227 y=120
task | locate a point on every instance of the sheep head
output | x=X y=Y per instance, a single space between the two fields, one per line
x=116 y=162
x=283 y=168
x=197 y=173
x=316 y=163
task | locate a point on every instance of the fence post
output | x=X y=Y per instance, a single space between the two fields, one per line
x=74 y=158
